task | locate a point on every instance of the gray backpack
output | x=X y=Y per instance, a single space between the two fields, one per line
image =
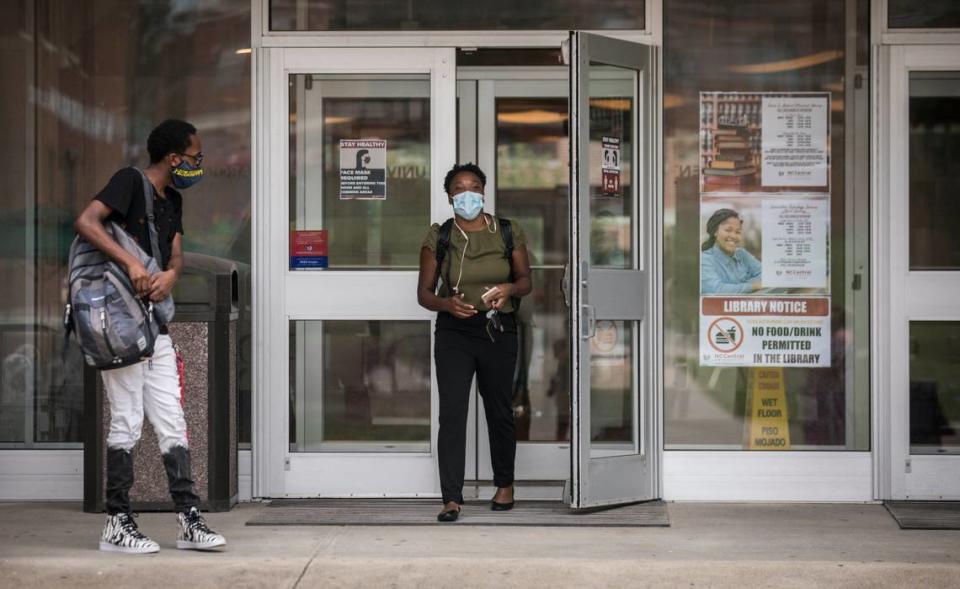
x=114 y=326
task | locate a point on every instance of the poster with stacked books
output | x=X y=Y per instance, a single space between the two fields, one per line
x=765 y=229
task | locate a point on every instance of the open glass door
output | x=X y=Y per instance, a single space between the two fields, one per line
x=613 y=215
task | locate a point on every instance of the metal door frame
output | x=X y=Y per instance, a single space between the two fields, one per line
x=600 y=480
x=899 y=294
x=281 y=295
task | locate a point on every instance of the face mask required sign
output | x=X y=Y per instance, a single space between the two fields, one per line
x=363 y=169
x=765 y=229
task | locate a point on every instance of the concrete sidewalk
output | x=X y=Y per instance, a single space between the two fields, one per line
x=708 y=545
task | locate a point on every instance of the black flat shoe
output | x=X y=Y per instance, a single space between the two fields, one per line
x=448 y=515
x=494 y=506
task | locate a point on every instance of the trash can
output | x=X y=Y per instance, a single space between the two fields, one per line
x=205 y=329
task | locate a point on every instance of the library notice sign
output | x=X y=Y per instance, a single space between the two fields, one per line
x=363 y=169
x=765 y=229
x=765 y=331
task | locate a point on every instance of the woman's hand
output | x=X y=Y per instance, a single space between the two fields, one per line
x=459 y=309
x=499 y=295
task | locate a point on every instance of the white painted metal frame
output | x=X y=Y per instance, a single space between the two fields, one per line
x=882 y=33
x=702 y=475
x=282 y=295
x=902 y=295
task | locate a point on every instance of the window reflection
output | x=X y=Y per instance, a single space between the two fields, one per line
x=532 y=188
x=934 y=14
x=360 y=386
x=440 y=15
x=934 y=166
x=364 y=233
x=782 y=47
x=84 y=83
x=934 y=387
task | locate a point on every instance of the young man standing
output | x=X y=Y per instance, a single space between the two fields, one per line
x=152 y=386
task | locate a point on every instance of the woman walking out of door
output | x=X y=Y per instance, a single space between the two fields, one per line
x=481 y=264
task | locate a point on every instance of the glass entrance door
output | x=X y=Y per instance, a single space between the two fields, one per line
x=918 y=249
x=613 y=271
x=513 y=123
x=358 y=142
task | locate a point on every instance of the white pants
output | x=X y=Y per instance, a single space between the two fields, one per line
x=150 y=387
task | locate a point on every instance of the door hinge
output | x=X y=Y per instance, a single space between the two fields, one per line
x=906 y=466
x=286 y=463
x=857 y=281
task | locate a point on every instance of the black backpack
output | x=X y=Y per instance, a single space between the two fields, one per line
x=506 y=234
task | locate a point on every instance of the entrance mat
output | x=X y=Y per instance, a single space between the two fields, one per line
x=925 y=515
x=421 y=512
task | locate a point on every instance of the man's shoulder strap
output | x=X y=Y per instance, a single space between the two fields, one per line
x=506 y=233
x=151 y=222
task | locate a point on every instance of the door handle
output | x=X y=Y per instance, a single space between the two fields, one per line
x=565 y=284
x=589 y=321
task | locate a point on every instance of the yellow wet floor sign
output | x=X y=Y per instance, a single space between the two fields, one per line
x=769 y=425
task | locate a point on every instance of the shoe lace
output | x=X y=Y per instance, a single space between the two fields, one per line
x=196 y=523
x=129 y=526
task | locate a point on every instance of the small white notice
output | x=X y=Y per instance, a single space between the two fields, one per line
x=794 y=239
x=794 y=141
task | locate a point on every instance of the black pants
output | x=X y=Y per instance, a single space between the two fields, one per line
x=120 y=479
x=463 y=348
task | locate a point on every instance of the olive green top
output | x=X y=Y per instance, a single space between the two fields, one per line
x=483 y=265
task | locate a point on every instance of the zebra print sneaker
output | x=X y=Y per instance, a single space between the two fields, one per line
x=121 y=534
x=194 y=533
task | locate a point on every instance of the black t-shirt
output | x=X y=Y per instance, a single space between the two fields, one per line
x=124 y=195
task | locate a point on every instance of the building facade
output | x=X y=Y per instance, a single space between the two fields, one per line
x=739 y=216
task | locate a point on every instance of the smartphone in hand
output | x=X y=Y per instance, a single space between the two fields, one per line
x=487 y=296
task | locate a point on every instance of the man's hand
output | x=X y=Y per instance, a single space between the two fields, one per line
x=458 y=308
x=140 y=278
x=161 y=284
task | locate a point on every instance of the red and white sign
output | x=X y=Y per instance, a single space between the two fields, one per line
x=610 y=166
x=765 y=331
x=308 y=249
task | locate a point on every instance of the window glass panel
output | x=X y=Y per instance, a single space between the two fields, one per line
x=934 y=387
x=439 y=15
x=611 y=166
x=934 y=169
x=532 y=188
x=360 y=169
x=368 y=390
x=84 y=82
x=612 y=416
x=933 y=14
x=782 y=47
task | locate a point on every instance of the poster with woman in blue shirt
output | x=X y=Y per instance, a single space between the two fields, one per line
x=725 y=266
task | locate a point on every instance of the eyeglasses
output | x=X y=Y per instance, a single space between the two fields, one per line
x=197 y=158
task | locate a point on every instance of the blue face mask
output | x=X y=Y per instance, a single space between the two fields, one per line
x=185 y=175
x=468 y=205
